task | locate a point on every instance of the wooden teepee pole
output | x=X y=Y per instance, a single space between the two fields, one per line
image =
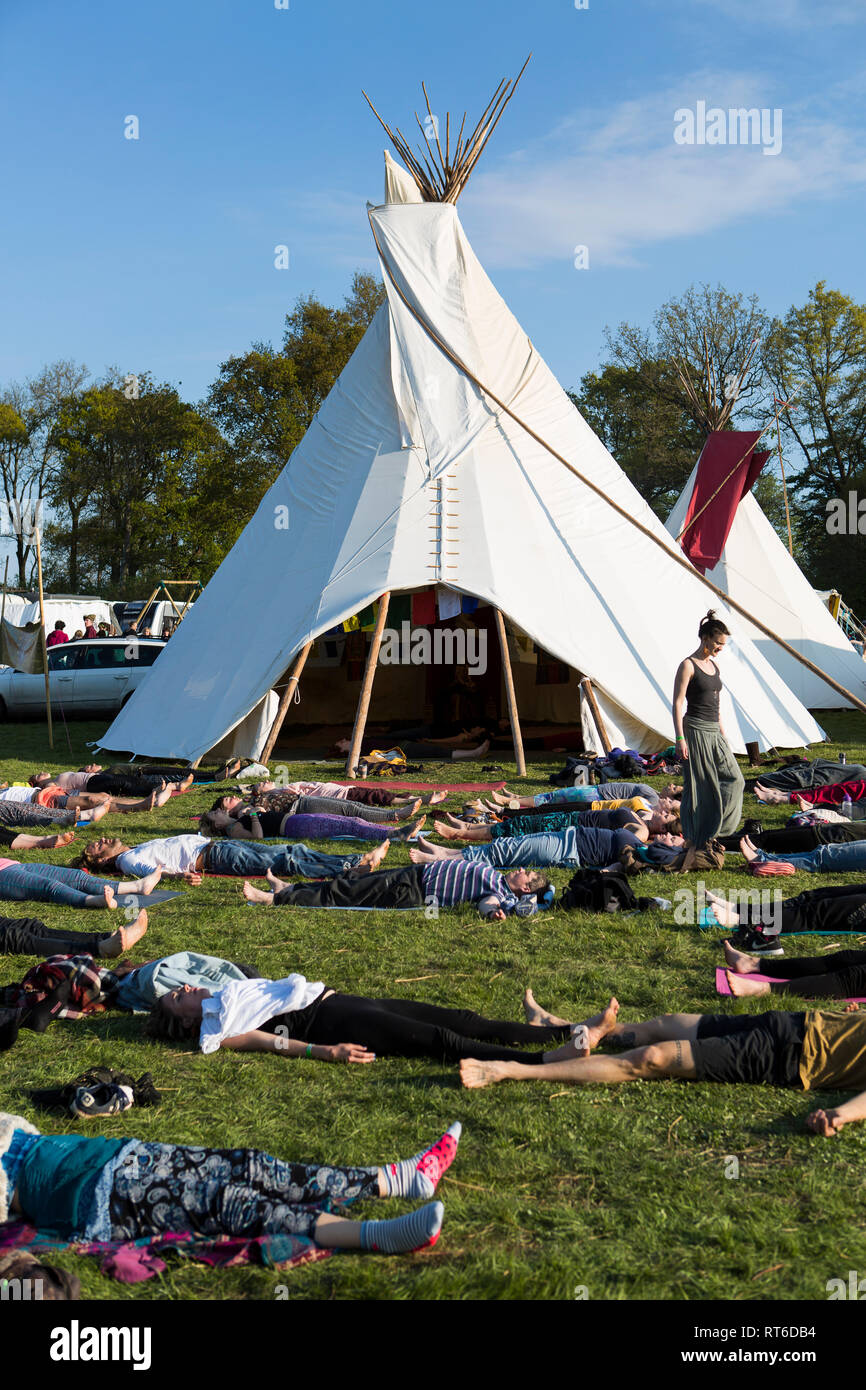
x=784 y=485
x=44 y=644
x=586 y=686
x=510 y=694
x=678 y=559
x=367 y=685
x=285 y=700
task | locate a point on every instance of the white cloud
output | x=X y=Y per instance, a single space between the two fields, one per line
x=618 y=183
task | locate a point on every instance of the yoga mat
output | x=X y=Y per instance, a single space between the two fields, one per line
x=140 y=900
x=388 y=784
x=722 y=986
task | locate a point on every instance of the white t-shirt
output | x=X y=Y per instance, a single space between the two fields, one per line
x=176 y=855
x=17 y=793
x=243 y=1006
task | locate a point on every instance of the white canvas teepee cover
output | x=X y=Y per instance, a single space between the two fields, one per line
x=409 y=476
x=758 y=571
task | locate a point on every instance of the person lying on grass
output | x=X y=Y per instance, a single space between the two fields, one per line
x=759 y=925
x=105 y=1189
x=577 y=798
x=53 y=883
x=569 y=848
x=28 y=936
x=813 y=1051
x=94 y=779
x=266 y=820
x=840 y=975
x=853 y=790
x=18 y=840
x=295 y=1018
x=86 y=806
x=414 y=886
x=190 y=856
x=642 y=824
x=824 y=859
x=301 y=826
x=367 y=795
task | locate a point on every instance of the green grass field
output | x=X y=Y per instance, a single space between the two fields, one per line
x=622 y=1191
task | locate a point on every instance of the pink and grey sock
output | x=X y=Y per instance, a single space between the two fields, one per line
x=404 y=1233
x=419 y=1175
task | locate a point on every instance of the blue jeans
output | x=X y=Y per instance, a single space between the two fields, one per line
x=559 y=848
x=51 y=883
x=252 y=859
x=828 y=859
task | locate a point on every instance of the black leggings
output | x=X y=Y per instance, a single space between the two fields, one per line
x=839 y=976
x=27 y=936
x=127 y=785
x=798 y=839
x=406 y=1028
x=821 y=909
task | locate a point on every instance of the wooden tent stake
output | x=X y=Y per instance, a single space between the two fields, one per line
x=367 y=685
x=678 y=559
x=285 y=700
x=586 y=687
x=510 y=694
x=44 y=644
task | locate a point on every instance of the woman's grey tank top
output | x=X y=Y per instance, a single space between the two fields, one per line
x=702 y=695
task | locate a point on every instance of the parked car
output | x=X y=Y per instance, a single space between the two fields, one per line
x=86 y=678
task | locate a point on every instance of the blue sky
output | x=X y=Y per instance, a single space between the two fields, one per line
x=157 y=254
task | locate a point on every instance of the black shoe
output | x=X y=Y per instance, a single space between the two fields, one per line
x=755 y=943
x=751 y=828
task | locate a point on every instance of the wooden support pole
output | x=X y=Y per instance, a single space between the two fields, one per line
x=586 y=687
x=367 y=685
x=285 y=700
x=44 y=644
x=513 y=716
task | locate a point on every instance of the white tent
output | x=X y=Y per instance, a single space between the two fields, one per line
x=758 y=571
x=410 y=476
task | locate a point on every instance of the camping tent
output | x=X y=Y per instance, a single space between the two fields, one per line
x=409 y=476
x=756 y=568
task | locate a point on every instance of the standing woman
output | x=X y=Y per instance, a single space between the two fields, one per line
x=712 y=799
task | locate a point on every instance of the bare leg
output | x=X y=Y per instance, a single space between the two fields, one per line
x=668 y=1027
x=653 y=1063
x=23 y=841
x=141 y=885
x=478 y=834
x=427 y=853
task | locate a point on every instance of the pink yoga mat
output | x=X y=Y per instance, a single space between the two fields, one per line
x=722 y=986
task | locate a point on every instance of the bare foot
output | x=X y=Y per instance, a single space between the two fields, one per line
x=748 y=850
x=770 y=795
x=538 y=1016
x=454 y=820
x=278 y=884
x=110 y=899
x=373 y=858
x=447 y=831
x=256 y=895
x=149 y=882
x=124 y=938
x=163 y=796
x=407 y=831
x=57 y=841
x=96 y=814
x=433 y=798
x=469 y=753
x=602 y=1023
x=475 y=1075
x=185 y=784
x=742 y=986
x=739 y=960
x=726 y=914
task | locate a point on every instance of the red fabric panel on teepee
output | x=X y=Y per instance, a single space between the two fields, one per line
x=727 y=463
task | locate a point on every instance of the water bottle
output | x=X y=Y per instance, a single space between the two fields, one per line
x=842 y=759
x=847 y=810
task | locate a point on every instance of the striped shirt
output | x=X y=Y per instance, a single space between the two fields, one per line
x=451 y=881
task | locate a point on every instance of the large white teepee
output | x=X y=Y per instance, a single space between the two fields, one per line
x=758 y=571
x=403 y=438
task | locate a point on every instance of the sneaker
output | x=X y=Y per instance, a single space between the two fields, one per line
x=755 y=943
